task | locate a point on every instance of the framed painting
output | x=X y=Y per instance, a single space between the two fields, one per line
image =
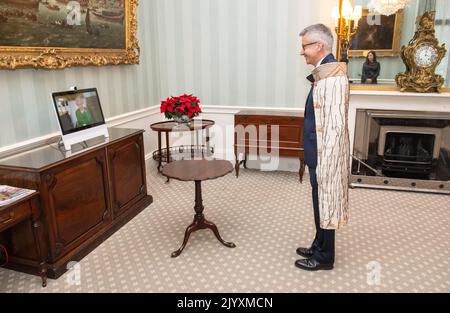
x=56 y=34
x=380 y=33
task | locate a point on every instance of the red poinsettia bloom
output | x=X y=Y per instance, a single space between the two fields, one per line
x=182 y=105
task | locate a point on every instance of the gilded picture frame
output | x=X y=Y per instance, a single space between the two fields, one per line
x=56 y=34
x=381 y=34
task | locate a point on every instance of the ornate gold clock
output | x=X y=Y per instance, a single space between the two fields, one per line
x=421 y=57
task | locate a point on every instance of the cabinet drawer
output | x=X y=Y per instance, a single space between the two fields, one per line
x=285 y=134
x=290 y=134
x=268 y=120
x=14 y=215
x=286 y=120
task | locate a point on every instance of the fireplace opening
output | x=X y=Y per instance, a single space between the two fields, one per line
x=417 y=148
x=408 y=151
x=404 y=149
x=408 y=154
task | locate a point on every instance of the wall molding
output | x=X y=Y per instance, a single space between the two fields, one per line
x=123 y=119
x=55 y=136
x=153 y=113
x=215 y=109
x=396 y=93
x=132 y=116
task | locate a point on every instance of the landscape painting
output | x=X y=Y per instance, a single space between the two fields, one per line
x=67 y=32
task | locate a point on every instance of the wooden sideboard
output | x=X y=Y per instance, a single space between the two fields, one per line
x=84 y=196
x=289 y=144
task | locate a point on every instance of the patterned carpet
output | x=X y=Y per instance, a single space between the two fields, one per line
x=395 y=242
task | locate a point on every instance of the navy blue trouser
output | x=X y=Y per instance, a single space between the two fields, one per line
x=323 y=244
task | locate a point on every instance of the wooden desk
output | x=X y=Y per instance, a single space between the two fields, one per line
x=22 y=210
x=198 y=170
x=85 y=195
x=290 y=143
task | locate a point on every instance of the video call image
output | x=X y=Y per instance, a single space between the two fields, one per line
x=78 y=110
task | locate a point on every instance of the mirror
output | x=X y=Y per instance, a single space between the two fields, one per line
x=387 y=34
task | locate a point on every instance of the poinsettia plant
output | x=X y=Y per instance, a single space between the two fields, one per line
x=181 y=106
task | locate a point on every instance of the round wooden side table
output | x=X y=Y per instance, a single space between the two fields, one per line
x=198 y=171
x=197 y=125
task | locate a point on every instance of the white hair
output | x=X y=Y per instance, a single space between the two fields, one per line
x=319 y=33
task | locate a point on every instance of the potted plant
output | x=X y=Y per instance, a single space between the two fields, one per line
x=181 y=109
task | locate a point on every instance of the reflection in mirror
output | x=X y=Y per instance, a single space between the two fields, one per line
x=385 y=35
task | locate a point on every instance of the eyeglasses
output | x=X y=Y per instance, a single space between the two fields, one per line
x=308 y=44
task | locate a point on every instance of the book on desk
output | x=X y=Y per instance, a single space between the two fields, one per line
x=10 y=194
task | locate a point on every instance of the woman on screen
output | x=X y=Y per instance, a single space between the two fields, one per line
x=83 y=115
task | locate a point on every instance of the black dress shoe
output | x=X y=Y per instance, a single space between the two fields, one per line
x=312 y=265
x=305 y=252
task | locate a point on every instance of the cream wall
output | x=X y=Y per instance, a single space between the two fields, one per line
x=227 y=52
x=26 y=106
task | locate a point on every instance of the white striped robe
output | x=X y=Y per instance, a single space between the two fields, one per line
x=330 y=96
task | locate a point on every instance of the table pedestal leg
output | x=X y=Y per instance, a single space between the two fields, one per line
x=160 y=152
x=200 y=222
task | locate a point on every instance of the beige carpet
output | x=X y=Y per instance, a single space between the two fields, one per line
x=395 y=242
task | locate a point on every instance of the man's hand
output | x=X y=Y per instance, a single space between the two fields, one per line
x=369 y=81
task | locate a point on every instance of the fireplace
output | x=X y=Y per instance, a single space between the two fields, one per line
x=405 y=150
x=409 y=151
